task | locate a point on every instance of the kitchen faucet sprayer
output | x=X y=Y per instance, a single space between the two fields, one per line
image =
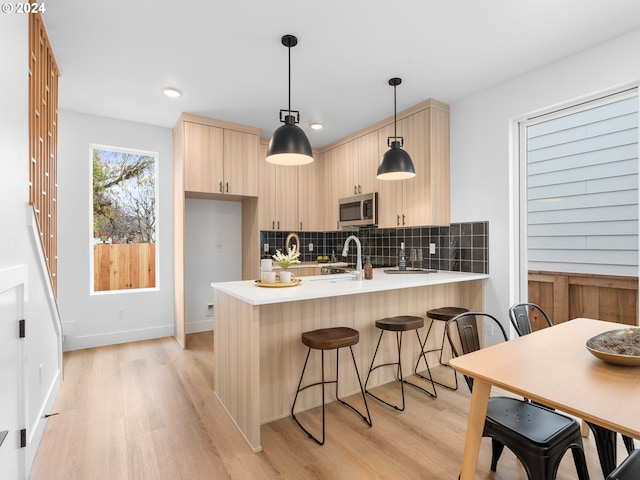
x=345 y=250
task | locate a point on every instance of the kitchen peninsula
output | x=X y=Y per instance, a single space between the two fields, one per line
x=259 y=355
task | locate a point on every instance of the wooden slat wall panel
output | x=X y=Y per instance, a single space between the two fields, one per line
x=123 y=266
x=565 y=295
x=43 y=140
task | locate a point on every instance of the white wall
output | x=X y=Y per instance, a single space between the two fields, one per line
x=481 y=143
x=213 y=252
x=17 y=246
x=93 y=320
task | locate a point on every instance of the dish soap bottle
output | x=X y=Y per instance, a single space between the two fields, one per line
x=368 y=269
x=402 y=258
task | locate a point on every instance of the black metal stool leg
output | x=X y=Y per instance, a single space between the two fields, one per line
x=300 y=388
x=372 y=368
x=367 y=419
x=429 y=378
x=423 y=355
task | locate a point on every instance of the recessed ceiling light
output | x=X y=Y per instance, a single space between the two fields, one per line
x=316 y=126
x=172 y=92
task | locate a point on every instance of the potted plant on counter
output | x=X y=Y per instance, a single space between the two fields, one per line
x=284 y=261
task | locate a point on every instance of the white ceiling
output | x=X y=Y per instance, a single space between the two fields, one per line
x=116 y=56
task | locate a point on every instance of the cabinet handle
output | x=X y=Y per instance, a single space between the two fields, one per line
x=355 y=190
x=403 y=219
x=337 y=224
x=273 y=225
x=278 y=224
x=221 y=191
x=227 y=187
x=359 y=189
x=300 y=225
x=398 y=220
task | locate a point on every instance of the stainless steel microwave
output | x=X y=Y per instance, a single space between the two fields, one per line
x=359 y=210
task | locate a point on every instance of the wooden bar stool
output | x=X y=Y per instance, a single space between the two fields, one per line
x=443 y=314
x=330 y=339
x=399 y=325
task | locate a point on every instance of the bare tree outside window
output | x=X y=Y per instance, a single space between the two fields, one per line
x=124 y=214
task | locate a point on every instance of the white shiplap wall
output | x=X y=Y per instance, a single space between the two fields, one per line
x=582 y=190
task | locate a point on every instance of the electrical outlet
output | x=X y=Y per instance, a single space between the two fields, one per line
x=432 y=249
x=219 y=248
x=209 y=310
x=120 y=313
x=266 y=248
x=311 y=247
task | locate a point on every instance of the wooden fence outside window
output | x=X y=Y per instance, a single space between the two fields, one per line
x=124 y=266
x=572 y=295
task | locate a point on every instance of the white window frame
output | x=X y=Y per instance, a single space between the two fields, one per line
x=518 y=213
x=156 y=156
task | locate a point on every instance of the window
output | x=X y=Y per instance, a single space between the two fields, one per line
x=124 y=214
x=582 y=188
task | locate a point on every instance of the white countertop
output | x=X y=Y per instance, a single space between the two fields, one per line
x=325 y=286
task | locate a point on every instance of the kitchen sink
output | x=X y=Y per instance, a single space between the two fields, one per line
x=334 y=270
x=342 y=277
x=409 y=271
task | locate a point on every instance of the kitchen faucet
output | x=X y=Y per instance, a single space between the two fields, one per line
x=345 y=250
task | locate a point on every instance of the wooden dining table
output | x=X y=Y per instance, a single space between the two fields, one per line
x=553 y=367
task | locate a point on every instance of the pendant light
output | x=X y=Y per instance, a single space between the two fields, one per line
x=289 y=145
x=396 y=164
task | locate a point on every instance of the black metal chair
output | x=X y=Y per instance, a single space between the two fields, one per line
x=520 y=316
x=539 y=437
x=629 y=469
x=605 y=439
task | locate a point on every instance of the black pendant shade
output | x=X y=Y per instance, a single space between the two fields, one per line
x=396 y=164
x=289 y=145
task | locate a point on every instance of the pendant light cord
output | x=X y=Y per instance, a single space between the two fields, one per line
x=289 y=48
x=395 y=115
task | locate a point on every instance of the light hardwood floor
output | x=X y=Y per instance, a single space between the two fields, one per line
x=146 y=410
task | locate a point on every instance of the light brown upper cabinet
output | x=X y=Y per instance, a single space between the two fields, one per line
x=425 y=198
x=291 y=198
x=278 y=195
x=311 y=196
x=350 y=169
x=216 y=160
x=368 y=161
x=219 y=160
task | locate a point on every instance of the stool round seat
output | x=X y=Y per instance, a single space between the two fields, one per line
x=445 y=313
x=401 y=323
x=331 y=338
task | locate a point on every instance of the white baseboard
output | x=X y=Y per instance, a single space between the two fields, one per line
x=36 y=429
x=200 y=326
x=114 y=338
